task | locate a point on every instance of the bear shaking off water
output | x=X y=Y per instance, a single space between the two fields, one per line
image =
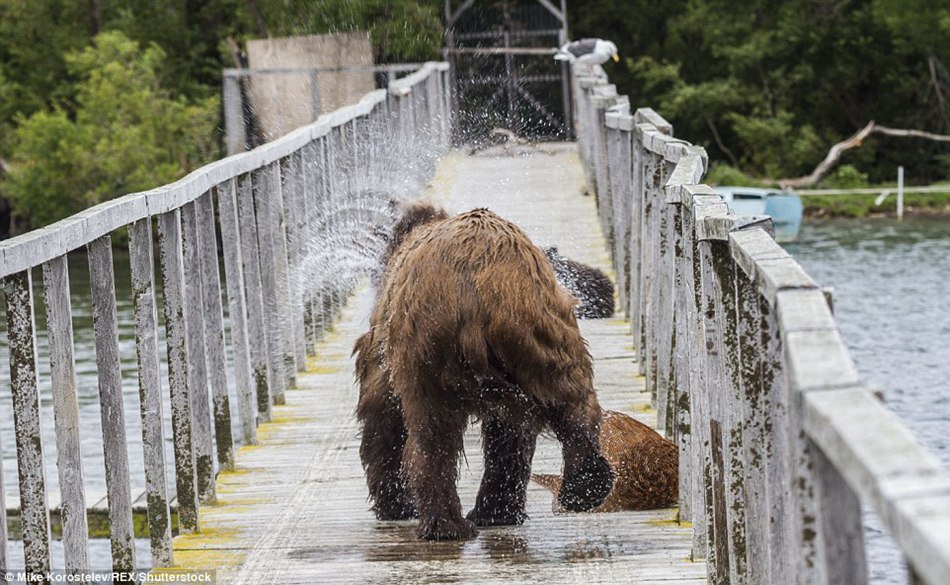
x=469 y=320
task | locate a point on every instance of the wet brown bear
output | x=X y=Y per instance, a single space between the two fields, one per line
x=590 y=286
x=645 y=465
x=469 y=320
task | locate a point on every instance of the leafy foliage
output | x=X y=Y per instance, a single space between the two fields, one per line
x=401 y=30
x=126 y=134
x=770 y=85
x=767 y=85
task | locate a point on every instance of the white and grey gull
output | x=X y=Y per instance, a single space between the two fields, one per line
x=588 y=52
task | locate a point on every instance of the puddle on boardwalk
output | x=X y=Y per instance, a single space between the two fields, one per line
x=395 y=542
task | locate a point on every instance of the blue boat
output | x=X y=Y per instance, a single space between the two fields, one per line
x=785 y=208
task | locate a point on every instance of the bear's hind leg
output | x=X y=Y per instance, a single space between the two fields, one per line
x=431 y=465
x=381 y=447
x=508 y=453
x=588 y=478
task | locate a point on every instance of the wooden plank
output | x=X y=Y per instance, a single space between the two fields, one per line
x=214 y=331
x=116 y=455
x=237 y=310
x=21 y=337
x=173 y=289
x=201 y=433
x=142 y=264
x=59 y=326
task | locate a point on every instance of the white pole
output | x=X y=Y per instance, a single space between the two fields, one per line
x=900 y=193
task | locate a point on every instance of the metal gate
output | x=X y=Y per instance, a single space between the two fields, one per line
x=504 y=74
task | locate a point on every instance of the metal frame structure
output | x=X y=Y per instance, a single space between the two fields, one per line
x=516 y=45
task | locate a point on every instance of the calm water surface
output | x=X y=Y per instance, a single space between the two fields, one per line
x=892 y=305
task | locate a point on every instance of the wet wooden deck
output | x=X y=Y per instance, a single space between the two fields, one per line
x=296 y=511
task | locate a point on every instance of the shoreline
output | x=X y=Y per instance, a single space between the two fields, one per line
x=861 y=206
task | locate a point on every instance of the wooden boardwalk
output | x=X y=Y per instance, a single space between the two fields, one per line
x=296 y=511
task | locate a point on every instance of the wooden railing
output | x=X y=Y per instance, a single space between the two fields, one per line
x=272 y=203
x=780 y=441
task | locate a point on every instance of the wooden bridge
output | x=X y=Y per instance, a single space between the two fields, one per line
x=742 y=366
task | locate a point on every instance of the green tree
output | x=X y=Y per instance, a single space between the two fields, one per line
x=401 y=30
x=127 y=134
x=769 y=85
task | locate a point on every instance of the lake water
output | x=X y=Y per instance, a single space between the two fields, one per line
x=891 y=281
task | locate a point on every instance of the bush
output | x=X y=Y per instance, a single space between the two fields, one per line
x=723 y=174
x=126 y=134
x=845 y=177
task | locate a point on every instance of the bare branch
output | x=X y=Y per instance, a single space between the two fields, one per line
x=832 y=158
x=834 y=154
x=912 y=133
x=722 y=146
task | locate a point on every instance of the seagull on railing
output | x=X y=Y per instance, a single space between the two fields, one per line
x=588 y=52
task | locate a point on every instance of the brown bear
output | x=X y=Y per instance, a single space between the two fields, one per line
x=590 y=286
x=470 y=321
x=645 y=466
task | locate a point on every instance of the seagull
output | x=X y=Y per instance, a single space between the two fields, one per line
x=588 y=52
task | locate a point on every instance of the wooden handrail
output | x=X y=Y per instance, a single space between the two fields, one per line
x=779 y=438
x=270 y=203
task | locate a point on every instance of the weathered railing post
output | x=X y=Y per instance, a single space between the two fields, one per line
x=141 y=263
x=688 y=171
x=292 y=173
x=214 y=330
x=277 y=225
x=202 y=435
x=701 y=202
x=106 y=326
x=59 y=326
x=21 y=330
x=716 y=269
x=752 y=375
x=603 y=97
x=264 y=207
x=258 y=340
x=237 y=310
x=619 y=124
x=173 y=288
x=830 y=551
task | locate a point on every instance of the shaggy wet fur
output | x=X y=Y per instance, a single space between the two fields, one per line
x=470 y=321
x=590 y=286
x=645 y=466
